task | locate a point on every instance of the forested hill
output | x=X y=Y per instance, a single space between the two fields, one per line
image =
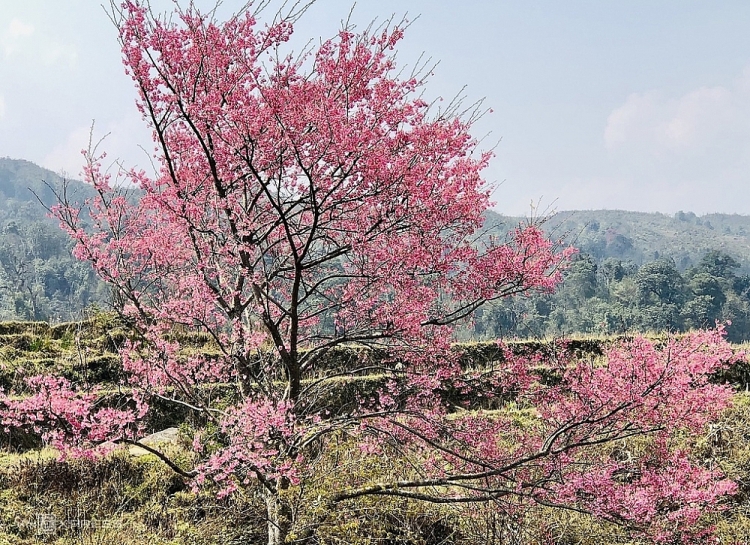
x=642 y=237
x=629 y=236
x=20 y=183
x=39 y=280
x=635 y=271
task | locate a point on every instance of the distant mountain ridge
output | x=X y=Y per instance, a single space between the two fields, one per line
x=640 y=237
x=643 y=237
x=40 y=280
x=21 y=182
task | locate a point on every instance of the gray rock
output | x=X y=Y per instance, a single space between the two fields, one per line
x=169 y=436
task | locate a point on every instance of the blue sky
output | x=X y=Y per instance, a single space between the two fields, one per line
x=639 y=105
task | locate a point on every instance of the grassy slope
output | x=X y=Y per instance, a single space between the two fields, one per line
x=137 y=500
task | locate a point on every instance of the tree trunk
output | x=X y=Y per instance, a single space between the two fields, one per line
x=279 y=518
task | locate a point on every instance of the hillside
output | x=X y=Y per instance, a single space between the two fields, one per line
x=635 y=271
x=636 y=236
x=39 y=279
x=131 y=497
x=645 y=237
x=20 y=184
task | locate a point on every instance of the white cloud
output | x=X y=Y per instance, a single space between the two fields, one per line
x=626 y=122
x=699 y=117
x=55 y=53
x=15 y=41
x=687 y=151
x=66 y=156
x=2 y=107
x=13 y=36
x=650 y=123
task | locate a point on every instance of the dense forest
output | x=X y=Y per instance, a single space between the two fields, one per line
x=615 y=296
x=634 y=271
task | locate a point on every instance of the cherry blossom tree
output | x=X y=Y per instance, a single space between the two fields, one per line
x=306 y=203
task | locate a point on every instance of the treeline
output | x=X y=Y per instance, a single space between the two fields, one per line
x=614 y=296
x=39 y=279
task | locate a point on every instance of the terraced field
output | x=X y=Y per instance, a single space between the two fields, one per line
x=131 y=497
